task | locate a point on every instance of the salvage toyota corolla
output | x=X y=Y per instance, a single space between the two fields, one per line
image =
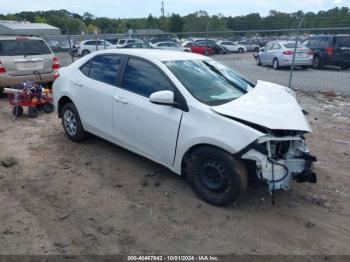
x=191 y=114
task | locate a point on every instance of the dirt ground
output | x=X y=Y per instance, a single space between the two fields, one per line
x=96 y=198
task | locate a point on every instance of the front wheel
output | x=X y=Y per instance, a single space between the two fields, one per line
x=72 y=124
x=240 y=50
x=216 y=176
x=258 y=62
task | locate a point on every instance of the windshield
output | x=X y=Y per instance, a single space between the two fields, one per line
x=208 y=81
x=23 y=47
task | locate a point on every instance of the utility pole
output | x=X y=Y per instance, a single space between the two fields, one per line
x=163 y=15
x=295 y=50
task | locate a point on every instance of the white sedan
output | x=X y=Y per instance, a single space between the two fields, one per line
x=232 y=47
x=191 y=114
x=170 y=46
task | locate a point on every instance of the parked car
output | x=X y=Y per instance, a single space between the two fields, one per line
x=216 y=48
x=126 y=41
x=201 y=49
x=88 y=46
x=279 y=54
x=137 y=45
x=330 y=50
x=232 y=47
x=22 y=58
x=249 y=45
x=170 y=46
x=191 y=114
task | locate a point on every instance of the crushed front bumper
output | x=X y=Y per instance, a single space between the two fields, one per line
x=280 y=160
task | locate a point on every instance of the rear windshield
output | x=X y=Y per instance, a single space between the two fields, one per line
x=291 y=45
x=23 y=47
x=342 y=41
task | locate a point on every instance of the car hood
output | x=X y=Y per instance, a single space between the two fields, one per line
x=268 y=105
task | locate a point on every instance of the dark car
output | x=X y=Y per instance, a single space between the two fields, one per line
x=216 y=48
x=330 y=50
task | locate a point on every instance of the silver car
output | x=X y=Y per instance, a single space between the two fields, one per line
x=170 y=46
x=22 y=58
x=279 y=54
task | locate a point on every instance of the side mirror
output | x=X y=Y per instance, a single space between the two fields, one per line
x=262 y=49
x=162 y=97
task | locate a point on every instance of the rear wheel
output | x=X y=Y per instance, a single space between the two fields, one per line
x=275 y=64
x=304 y=67
x=33 y=112
x=216 y=176
x=48 y=108
x=72 y=124
x=317 y=62
x=85 y=52
x=240 y=50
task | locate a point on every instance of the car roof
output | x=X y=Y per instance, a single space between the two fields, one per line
x=160 y=55
x=14 y=37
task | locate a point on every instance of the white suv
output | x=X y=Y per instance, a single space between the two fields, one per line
x=191 y=114
x=88 y=46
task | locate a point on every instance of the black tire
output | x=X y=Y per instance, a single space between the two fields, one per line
x=48 y=108
x=345 y=67
x=317 y=62
x=17 y=111
x=85 y=52
x=216 y=176
x=33 y=112
x=275 y=64
x=258 y=61
x=304 y=67
x=74 y=129
x=240 y=50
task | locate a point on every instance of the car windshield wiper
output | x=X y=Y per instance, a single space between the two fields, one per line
x=215 y=70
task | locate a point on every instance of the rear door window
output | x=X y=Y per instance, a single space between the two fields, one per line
x=23 y=47
x=341 y=41
x=105 y=68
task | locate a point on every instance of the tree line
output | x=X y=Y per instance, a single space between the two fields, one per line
x=199 y=21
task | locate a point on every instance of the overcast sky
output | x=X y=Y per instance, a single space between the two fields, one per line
x=141 y=8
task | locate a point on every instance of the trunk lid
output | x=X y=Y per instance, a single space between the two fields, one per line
x=269 y=105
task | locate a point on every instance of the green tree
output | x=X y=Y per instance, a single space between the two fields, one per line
x=175 y=23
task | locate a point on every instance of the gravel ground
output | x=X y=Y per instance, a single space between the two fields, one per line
x=60 y=197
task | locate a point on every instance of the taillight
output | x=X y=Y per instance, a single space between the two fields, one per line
x=288 y=52
x=2 y=68
x=55 y=63
x=330 y=51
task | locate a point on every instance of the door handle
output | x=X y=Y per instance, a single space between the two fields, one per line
x=77 y=83
x=121 y=100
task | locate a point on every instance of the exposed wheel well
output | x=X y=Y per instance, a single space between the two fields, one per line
x=190 y=151
x=63 y=100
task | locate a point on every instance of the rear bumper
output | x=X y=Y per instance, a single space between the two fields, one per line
x=8 y=80
x=298 y=62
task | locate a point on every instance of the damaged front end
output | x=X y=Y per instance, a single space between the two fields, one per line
x=281 y=159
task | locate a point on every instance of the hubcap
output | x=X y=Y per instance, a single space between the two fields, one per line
x=275 y=65
x=70 y=122
x=213 y=175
